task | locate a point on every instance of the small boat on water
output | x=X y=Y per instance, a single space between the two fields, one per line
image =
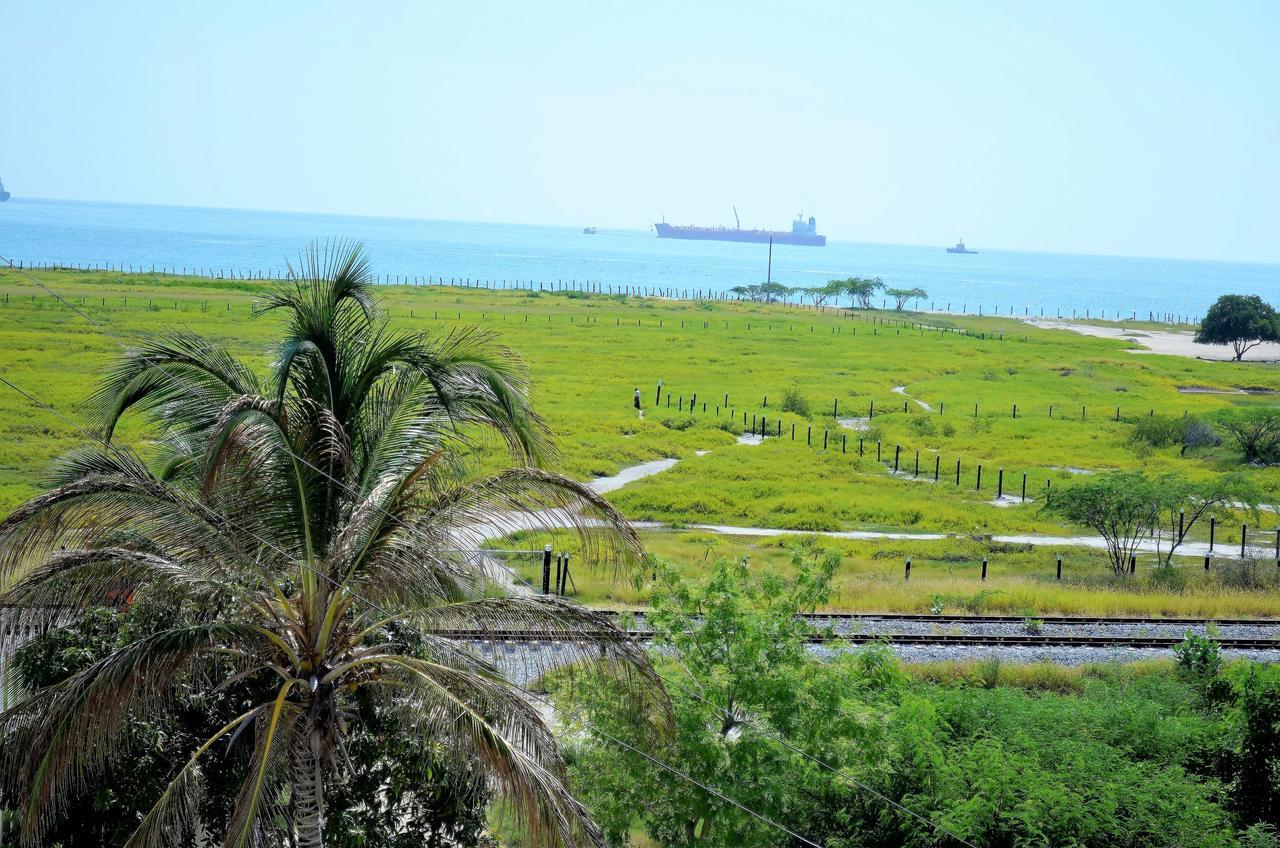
x=4 y=195
x=960 y=248
x=588 y=231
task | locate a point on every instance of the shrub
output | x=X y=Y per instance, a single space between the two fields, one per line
x=1249 y=574
x=794 y=401
x=1256 y=431
x=948 y=429
x=1168 y=578
x=1198 y=434
x=922 y=425
x=1199 y=657
x=1158 y=431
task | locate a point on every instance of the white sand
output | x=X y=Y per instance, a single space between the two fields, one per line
x=1172 y=342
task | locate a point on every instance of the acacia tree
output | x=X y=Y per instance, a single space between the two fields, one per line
x=1255 y=430
x=862 y=289
x=1124 y=507
x=1242 y=321
x=1186 y=502
x=901 y=296
x=302 y=519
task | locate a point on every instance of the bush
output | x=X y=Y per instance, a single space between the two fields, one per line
x=922 y=425
x=1249 y=574
x=1199 y=434
x=1158 y=431
x=1255 y=430
x=1199 y=657
x=795 y=402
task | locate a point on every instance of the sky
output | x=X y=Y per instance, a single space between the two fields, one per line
x=1130 y=128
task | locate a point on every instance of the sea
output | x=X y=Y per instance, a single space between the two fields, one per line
x=262 y=243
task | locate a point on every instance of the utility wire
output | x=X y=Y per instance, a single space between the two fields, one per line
x=513 y=574
x=392 y=616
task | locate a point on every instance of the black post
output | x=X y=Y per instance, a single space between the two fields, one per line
x=1133 y=563
x=957 y=472
x=1000 y=484
x=897 y=452
x=1024 y=487
x=878 y=451
x=1244 y=532
x=808 y=437
x=564 y=575
x=860 y=450
x=979 y=487
x=824 y=439
x=1213 y=525
x=1182 y=514
x=793 y=431
x=984 y=568
x=937 y=466
x=1206 y=561
x=917 y=463
x=844 y=443
x=559 y=563
x=906 y=575
x=1059 y=568
x=546 y=570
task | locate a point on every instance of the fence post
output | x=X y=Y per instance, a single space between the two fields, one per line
x=1213 y=525
x=824 y=439
x=1133 y=563
x=808 y=437
x=906 y=574
x=1244 y=532
x=564 y=575
x=957 y=472
x=979 y=487
x=897 y=452
x=556 y=581
x=844 y=443
x=984 y=568
x=546 y=569
x=1059 y=568
x=937 y=466
x=917 y=462
x=1000 y=484
x=1206 y=561
x=1024 y=487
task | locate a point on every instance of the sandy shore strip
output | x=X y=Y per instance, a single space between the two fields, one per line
x=1172 y=342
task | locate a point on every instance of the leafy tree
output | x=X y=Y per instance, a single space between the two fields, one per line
x=861 y=289
x=1187 y=501
x=1256 y=430
x=1124 y=507
x=736 y=658
x=1242 y=321
x=901 y=296
x=277 y=506
x=1257 y=784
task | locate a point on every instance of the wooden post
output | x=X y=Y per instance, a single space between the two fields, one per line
x=917 y=463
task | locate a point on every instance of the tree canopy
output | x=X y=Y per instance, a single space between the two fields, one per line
x=901 y=296
x=1242 y=321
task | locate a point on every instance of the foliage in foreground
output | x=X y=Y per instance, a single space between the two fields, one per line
x=297 y=522
x=1122 y=758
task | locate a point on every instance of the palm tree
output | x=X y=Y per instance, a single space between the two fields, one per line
x=300 y=521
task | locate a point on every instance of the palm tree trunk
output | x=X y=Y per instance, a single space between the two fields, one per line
x=308 y=792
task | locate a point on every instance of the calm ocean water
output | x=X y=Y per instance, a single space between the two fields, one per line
x=47 y=231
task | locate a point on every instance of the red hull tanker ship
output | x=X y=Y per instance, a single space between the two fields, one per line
x=802 y=233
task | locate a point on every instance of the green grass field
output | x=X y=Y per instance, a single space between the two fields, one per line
x=587 y=353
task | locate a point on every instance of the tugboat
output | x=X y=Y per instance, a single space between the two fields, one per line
x=960 y=248
x=588 y=231
x=4 y=195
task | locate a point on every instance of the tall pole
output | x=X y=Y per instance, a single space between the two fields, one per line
x=768 y=278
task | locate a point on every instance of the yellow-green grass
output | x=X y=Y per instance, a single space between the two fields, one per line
x=587 y=354
x=1020 y=580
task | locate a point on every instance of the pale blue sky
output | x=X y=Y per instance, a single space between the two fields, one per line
x=1138 y=128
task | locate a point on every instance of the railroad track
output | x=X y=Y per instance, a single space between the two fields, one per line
x=1019 y=640
x=926 y=618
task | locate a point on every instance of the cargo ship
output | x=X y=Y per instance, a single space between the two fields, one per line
x=960 y=248
x=803 y=232
x=4 y=195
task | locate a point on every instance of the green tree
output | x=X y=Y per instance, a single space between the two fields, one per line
x=1124 y=507
x=274 y=508
x=1242 y=321
x=1255 y=430
x=735 y=655
x=1187 y=501
x=861 y=289
x=901 y=296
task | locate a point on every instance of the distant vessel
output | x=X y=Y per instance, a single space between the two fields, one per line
x=960 y=248
x=802 y=233
x=4 y=195
x=588 y=231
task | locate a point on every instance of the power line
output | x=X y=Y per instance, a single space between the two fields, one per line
x=512 y=573
x=389 y=615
